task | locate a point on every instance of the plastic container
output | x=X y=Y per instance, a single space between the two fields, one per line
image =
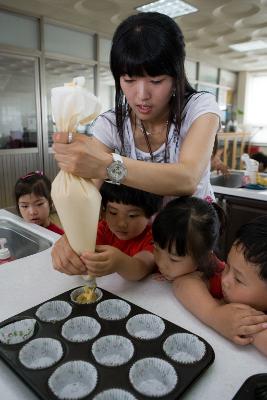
x=252 y=167
x=5 y=255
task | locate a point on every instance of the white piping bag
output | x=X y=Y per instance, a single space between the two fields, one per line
x=76 y=199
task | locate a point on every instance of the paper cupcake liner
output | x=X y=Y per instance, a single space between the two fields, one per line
x=73 y=380
x=54 y=311
x=76 y=292
x=184 y=348
x=114 y=394
x=113 y=310
x=80 y=329
x=112 y=350
x=145 y=326
x=41 y=353
x=17 y=332
x=153 y=377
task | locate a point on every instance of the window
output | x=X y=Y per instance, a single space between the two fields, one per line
x=18 y=119
x=256 y=100
x=20 y=31
x=106 y=89
x=60 y=40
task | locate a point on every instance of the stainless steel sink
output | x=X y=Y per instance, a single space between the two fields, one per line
x=233 y=180
x=20 y=241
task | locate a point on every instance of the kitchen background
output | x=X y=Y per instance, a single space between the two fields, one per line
x=44 y=43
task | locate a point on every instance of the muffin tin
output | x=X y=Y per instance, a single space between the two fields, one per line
x=108 y=350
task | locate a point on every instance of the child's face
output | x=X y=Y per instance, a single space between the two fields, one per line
x=171 y=265
x=34 y=209
x=241 y=282
x=125 y=221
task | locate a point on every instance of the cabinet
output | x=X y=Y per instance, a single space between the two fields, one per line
x=239 y=210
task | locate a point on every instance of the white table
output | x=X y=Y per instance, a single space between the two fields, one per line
x=32 y=280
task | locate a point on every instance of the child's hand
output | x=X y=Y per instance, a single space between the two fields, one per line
x=104 y=261
x=238 y=322
x=65 y=259
x=157 y=276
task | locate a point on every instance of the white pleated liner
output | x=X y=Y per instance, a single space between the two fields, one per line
x=184 y=348
x=80 y=329
x=114 y=394
x=145 y=326
x=41 y=353
x=112 y=350
x=114 y=309
x=76 y=292
x=55 y=310
x=153 y=377
x=73 y=380
x=18 y=331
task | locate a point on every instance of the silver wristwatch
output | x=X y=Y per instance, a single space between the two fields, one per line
x=116 y=170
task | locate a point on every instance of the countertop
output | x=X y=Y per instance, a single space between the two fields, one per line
x=32 y=280
x=242 y=192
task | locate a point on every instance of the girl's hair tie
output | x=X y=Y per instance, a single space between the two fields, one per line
x=39 y=173
x=209 y=199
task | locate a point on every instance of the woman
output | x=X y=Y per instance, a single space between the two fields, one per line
x=161 y=130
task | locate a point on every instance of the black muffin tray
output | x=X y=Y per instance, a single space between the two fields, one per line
x=108 y=377
x=254 y=388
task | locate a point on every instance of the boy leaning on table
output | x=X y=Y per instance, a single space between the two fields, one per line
x=240 y=287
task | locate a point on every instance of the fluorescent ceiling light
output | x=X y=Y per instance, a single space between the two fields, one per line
x=248 y=46
x=173 y=8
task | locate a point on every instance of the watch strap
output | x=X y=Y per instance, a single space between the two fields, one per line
x=117 y=157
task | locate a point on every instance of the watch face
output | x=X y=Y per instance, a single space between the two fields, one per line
x=116 y=171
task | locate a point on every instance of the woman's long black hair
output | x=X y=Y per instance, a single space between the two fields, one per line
x=153 y=44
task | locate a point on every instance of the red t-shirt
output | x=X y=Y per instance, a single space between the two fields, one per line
x=142 y=242
x=216 y=280
x=55 y=228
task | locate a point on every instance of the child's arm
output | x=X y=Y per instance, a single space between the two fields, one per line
x=260 y=342
x=231 y=320
x=109 y=259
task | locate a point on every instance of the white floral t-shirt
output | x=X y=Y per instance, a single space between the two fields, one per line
x=105 y=130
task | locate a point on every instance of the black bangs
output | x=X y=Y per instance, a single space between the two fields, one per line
x=150 y=203
x=144 y=49
x=170 y=231
x=143 y=59
x=152 y=66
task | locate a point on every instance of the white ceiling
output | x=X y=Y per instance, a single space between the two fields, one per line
x=208 y=32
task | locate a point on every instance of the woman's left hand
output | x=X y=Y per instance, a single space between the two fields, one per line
x=85 y=156
x=65 y=259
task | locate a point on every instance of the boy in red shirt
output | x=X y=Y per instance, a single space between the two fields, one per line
x=124 y=239
x=241 y=285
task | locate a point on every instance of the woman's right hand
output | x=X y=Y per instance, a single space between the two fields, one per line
x=85 y=156
x=65 y=260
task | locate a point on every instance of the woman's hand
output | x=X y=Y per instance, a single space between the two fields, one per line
x=85 y=156
x=104 y=261
x=65 y=259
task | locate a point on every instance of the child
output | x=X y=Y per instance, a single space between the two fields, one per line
x=242 y=285
x=186 y=234
x=33 y=200
x=124 y=238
